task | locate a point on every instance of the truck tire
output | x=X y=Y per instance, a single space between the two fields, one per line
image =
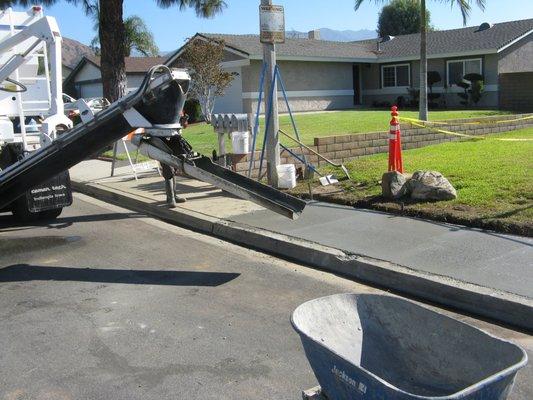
x=20 y=211
x=50 y=214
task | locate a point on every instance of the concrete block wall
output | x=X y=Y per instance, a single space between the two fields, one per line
x=343 y=148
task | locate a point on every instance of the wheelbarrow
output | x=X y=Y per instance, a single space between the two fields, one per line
x=376 y=347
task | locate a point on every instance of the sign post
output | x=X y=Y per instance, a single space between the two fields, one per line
x=272 y=27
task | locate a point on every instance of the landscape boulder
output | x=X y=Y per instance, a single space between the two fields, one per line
x=393 y=185
x=430 y=185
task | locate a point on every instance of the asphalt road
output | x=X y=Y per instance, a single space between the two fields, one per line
x=110 y=304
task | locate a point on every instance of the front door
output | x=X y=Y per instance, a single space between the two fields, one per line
x=356 y=71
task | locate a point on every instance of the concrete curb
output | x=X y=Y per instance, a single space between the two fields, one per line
x=501 y=307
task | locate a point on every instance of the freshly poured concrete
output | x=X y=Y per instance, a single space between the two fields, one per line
x=489 y=259
x=493 y=260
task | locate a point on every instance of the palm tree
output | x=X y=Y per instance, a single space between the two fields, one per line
x=465 y=8
x=138 y=37
x=112 y=33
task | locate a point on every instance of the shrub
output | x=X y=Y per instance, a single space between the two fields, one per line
x=193 y=110
x=473 y=87
x=476 y=87
x=414 y=95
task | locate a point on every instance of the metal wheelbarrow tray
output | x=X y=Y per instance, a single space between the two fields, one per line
x=371 y=347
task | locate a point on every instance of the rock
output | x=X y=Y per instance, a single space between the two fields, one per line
x=431 y=185
x=393 y=185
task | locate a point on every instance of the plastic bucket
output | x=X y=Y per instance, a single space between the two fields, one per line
x=286 y=176
x=240 y=142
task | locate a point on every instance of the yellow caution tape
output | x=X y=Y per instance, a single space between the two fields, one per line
x=449 y=132
x=467 y=123
x=471 y=136
x=413 y=121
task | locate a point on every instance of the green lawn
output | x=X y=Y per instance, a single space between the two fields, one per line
x=312 y=125
x=494 y=179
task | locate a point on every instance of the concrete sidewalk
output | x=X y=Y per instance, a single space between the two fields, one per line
x=500 y=264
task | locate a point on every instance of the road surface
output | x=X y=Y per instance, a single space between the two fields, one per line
x=110 y=304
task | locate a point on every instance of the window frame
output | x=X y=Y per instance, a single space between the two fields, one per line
x=395 y=66
x=463 y=61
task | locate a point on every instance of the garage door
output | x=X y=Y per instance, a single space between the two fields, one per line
x=90 y=90
x=516 y=91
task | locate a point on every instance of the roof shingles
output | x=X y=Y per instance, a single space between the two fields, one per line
x=461 y=40
x=250 y=45
x=453 y=41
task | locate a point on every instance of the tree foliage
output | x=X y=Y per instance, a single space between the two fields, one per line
x=400 y=17
x=139 y=39
x=465 y=6
x=209 y=80
x=113 y=37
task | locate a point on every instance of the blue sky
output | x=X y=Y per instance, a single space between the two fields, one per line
x=172 y=26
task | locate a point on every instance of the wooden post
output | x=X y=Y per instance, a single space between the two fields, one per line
x=221 y=149
x=272 y=143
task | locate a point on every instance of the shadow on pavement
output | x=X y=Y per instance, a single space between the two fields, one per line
x=25 y=272
x=197 y=192
x=9 y=223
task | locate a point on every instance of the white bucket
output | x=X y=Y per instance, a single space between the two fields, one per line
x=240 y=142
x=286 y=176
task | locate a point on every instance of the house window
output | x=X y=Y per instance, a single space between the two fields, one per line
x=456 y=69
x=395 y=75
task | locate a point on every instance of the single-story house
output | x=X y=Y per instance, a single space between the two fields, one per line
x=85 y=80
x=72 y=52
x=322 y=75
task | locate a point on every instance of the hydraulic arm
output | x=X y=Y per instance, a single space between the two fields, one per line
x=155 y=106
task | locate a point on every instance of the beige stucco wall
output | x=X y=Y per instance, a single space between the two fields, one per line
x=317 y=103
x=250 y=76
x=134 y=81
x=490 y=69
x=300 y=76
x=65 y=71
x=518 y=57
x=87 y=72
x=87 y=83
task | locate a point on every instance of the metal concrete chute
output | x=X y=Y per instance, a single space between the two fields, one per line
x=202 y=168
x=156 y=106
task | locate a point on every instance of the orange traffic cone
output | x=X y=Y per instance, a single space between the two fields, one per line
x=395 y=143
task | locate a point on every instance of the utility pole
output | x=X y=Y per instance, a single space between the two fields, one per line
x=272 y=143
